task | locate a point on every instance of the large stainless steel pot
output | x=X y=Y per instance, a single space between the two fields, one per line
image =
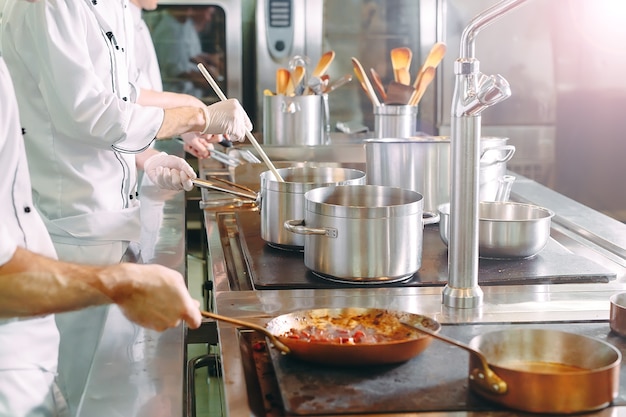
x=283 y=200
x=549 y=371
x=361 y=233
x=422 y=164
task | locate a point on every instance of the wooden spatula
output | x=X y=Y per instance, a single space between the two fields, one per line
x=322 y=65
x=365 y=82
x=433 y=59
x=398 y=93
x=401 y=63
x=378 y=84
x=424 y=80
x=283 y=79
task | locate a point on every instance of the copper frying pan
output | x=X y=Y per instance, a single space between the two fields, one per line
x=542 y=371
x=397 y=343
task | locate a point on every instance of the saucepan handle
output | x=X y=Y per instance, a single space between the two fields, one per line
x=509 y=149
x=430 y=217
x=298 y=227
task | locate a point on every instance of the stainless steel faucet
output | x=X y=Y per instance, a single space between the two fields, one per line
x=473 y=92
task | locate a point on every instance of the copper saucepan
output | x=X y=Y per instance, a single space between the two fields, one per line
x=542 y=371
x=394 y=342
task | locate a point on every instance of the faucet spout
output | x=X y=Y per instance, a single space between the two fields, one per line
x=481 y=21
x=473 y=92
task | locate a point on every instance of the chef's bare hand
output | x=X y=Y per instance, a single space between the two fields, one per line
x=169 y=172
x=227 y=118
x=154 y=296
x=198 y=144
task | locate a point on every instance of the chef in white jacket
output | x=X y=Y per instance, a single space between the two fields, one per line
x=86 y=130
x=33 y=285
x=148 y=75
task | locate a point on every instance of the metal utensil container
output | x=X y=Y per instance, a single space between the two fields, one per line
x=297 y=120
x=362 y=233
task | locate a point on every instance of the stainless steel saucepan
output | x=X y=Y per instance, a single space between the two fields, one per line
x=283 y=200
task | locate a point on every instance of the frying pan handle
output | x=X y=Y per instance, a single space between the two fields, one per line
x=298 y=227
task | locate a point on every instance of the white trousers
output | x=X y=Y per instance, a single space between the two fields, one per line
x=81 y=330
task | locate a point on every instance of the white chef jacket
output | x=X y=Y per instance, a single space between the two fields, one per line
x=28 y=347
x=148 y=73
x=70 y=62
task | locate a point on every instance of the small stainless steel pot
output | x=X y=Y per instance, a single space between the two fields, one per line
x=282 y=201
x=506 y=230
x=361 y=233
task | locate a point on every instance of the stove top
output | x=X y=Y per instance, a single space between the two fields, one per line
x=274 y=268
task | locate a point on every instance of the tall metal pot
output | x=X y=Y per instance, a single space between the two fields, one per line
x=361 y=233
x=422 y=164
x=281 y=201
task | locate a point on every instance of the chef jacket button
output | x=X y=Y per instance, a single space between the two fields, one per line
x=136 y=193
x=26 y=209
x=23 y=131
x=125 y=98
x=131 y=196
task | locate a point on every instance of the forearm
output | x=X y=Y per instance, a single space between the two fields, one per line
x=179 y=120
x=31 y=284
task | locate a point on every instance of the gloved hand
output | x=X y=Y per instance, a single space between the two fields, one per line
x=228 y=118
x=198 y=144
x=169 y=172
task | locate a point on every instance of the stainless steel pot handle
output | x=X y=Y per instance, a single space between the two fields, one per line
x=298 y=227
x=510 y=150
x=430 y=217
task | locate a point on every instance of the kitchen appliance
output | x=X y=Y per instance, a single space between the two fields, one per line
x=368 y=30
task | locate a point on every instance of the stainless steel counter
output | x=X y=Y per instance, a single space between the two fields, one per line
x=583 y=231
x=139 y=372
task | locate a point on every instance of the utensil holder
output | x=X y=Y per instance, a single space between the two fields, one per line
x=395 y=121
x=297 y=120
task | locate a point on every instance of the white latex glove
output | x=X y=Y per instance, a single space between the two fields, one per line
x=169 y=172
x=198 y=144
x=227 y=118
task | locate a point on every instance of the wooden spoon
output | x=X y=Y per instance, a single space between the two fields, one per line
x=423 y=81
x=401 y=62
x=277 y=343
x=298 y=79
x=433 y=59
x=365 y=82
x=283 y=79
x=378 y=83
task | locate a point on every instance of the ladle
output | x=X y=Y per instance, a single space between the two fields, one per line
x=249 y=134
x=483 y=378
x=277 y=343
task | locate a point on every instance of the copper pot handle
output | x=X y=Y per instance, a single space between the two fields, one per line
x=483 y=377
